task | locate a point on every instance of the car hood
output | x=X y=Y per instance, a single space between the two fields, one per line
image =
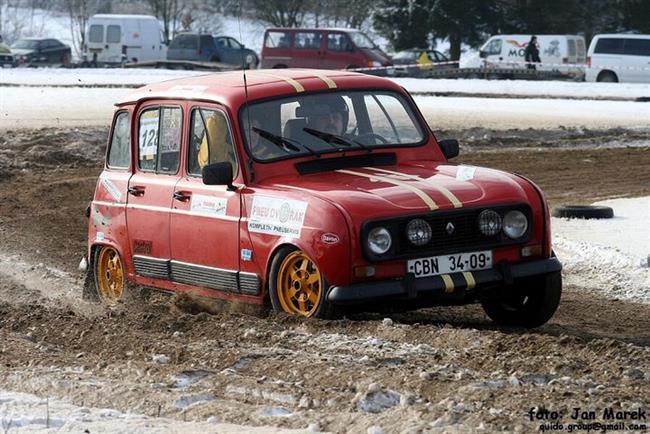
x=420 y=187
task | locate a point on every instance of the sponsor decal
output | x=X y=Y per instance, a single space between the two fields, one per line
x=100 y=236
x=142 y=247
x=112 y=189
x=246 y=255
x=465 y=173
x=276 y=216
x=329 y=238
x=208 y=205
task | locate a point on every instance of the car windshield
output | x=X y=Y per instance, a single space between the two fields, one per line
x=321 y=123
x=361 y=40
x=25 y=44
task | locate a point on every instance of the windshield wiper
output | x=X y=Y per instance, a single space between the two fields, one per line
x=334 y=139
x=284 y=143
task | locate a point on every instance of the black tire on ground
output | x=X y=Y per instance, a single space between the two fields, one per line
x=583 y=212
x=607 y=77
x=325 y=309
x=530 y=303
x=130 y=294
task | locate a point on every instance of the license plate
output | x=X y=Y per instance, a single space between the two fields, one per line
x=444 y=264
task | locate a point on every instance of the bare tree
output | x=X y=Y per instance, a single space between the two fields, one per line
x=79 y=12
x=281 y=13
x=167 y=11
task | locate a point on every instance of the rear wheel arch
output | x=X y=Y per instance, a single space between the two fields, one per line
x=607 y=75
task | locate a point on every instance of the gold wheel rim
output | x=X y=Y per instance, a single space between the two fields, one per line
x=110 y=275
x=299 y=285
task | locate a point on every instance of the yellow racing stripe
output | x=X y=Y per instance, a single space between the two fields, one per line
x=449 y=283
x=469 y=278
x=296 y=85
x=328 y=81
x=421 y=194
x=448 y=194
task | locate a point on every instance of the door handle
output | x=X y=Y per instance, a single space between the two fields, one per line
x=136 y=191
x=182 y=196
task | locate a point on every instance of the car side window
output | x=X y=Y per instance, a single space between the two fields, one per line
x=210 y=141
x=308 y=40
x=338 y=42
x=277 y=40
x=159 y=139
x=494 y=47
x=235 y=44
x=637 y=47
x=119 y=153
x=207 y=42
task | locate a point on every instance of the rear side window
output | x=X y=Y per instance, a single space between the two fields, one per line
x=609 y=46
x=338 y=42
x=207 y=41
x=210 y=142
x=96 y=33
x=113 y=34
x=277 y=40
x=159 y=139
x=119 y=154
x=309 y=40
x=184 y=42
x=637 y=47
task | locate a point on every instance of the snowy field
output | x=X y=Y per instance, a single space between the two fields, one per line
x=608 y=255
x=519 y=88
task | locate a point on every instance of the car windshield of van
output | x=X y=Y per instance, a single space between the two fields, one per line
x=26 y=44
x=329 y=122
x=361 y=40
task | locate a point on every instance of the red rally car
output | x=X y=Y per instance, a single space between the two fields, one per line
x=315 y=191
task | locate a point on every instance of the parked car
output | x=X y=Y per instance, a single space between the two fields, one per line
x=416 y=62
x=508 y=51
x=6 y=58
x=41 y=51
x=207 y=48
x=116 y=39
x=321 y=48
x=314 y=190
x=619 y=58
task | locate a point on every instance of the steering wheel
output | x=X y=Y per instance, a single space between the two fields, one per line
x=362 y=138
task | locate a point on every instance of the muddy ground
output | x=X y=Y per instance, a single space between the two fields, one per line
x=443 y=369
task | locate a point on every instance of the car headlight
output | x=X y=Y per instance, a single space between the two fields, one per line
x=515 y=224
x=379 y=240
x=418 y=232
x=489 y=223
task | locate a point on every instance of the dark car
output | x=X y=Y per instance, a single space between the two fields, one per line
x=207 y=48
x=6 y=58
x=41 y=51
x=415 y=62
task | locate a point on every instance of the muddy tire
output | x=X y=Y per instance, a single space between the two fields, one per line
x=531 y=302
x=109 y=278
x=583 y=212
x=297 y=287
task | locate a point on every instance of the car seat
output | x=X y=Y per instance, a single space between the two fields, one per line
x=216 y=145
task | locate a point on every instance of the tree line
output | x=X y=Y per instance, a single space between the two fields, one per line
x=404 y=23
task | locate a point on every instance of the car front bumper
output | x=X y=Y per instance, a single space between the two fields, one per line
x=457 y=286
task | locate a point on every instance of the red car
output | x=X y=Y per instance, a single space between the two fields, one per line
x=315 y=191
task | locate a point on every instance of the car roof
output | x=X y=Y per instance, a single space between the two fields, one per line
x=623 y=35
x=313 y=29
x=228 y=87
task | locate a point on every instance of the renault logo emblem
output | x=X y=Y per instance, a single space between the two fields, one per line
x=450 y=228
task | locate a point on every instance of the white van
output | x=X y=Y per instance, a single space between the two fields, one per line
x=619 y=58
x=114 y=39
x=507 y=51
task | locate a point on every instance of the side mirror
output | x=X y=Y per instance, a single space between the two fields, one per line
x=482 y=54
x=218 y=174
x=449 y=148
